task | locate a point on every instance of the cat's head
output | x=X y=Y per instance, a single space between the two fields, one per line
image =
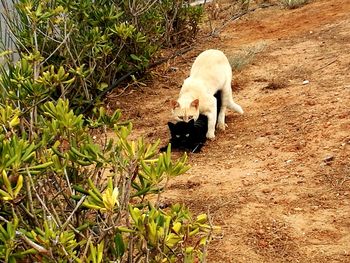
x=181 y=132
x=185 y=111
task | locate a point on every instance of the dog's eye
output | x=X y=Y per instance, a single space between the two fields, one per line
x=177 y=136
x=187 y=135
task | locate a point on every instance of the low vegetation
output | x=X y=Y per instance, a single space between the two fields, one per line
x=291 y=4
x=246 y=56
x=88 y=45
x=69 y=192
x=68 y=196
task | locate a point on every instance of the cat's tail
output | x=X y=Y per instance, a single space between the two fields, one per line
x=234 y=106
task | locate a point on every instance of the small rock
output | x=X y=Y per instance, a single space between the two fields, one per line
x=328 y=158
x=305 y=82
x=261 y=231
x=266 y=191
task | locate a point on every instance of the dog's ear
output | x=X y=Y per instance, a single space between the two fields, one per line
x=195 y=103
x=174 y=104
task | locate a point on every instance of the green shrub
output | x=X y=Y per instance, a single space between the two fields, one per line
x=66 y=194
x=69 y=196
x=95 y=42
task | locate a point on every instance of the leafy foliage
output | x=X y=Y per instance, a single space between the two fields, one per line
x=77 y=49
x=68 y=191
x=68 y=196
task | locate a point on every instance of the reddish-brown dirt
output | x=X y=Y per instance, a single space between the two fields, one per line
x=277 y=180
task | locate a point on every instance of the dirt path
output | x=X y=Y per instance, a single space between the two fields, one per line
x=278 y=179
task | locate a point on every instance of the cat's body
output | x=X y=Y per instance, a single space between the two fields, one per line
x=190 y=135
x=210 y=72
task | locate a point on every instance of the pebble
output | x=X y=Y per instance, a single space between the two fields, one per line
x=328 y=158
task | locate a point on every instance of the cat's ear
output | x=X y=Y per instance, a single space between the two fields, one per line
x=171 y=125
x=195 y=103
x=174 y=104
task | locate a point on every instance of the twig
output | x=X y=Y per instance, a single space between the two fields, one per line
x=68 y=182
x=40 y=200
x=57 y=48
x=160 y=192
x=73 y=212
x=204 y=260
x=4 y=219
x=57 y=186
x=56 y=214
x=86 y=248
x=26 y=211
x=231 y=19
x=133 y=72
x=328 y=64
x=30 y=200
x=34 y=245
x=131 y=249
x=238 y=16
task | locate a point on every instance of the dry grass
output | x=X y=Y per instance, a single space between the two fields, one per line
x=276 y=84
x=292 y=4
x=245 y=57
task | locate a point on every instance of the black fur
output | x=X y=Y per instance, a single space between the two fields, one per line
x=191 y=135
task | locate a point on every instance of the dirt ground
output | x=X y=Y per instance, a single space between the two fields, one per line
x=277 y=180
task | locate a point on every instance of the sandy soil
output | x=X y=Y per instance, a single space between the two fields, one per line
x=278 y=179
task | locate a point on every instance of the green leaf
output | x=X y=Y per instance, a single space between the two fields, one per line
x=18 y=185
x=7 y=183
x=136 y=58
x=119 y=245
x=125 y=229
x=5 y=195
x=93 y=253
x=189 y=257
x=100 y=248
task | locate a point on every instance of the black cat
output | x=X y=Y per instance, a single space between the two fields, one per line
x=190 y=135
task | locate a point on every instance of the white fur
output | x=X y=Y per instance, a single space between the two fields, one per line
x=210 y=72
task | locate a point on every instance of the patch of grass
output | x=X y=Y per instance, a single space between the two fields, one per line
x=245 y=57
x=292 y=4
x=276 y=84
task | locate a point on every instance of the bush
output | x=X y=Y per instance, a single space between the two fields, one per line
x=68 y=192
x=94 y=43
x=69 y=196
